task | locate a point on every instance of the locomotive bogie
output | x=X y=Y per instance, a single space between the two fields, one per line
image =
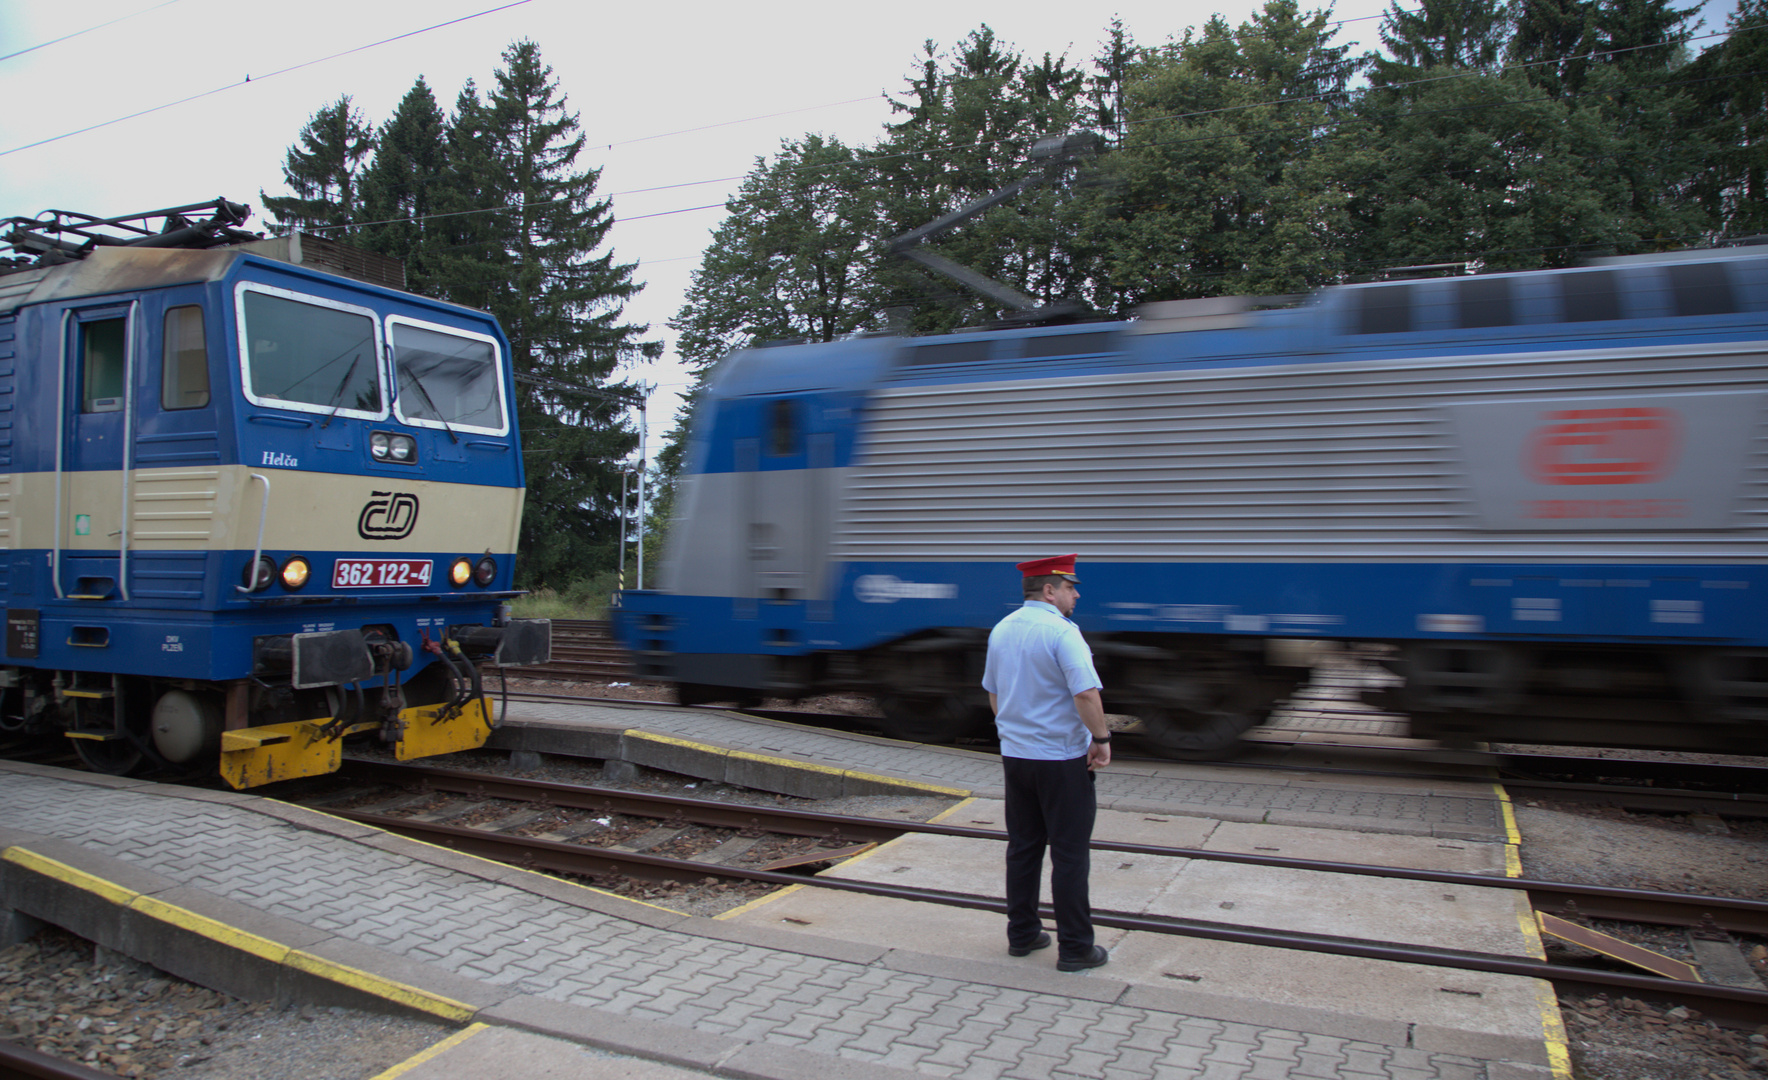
x=1540 y=496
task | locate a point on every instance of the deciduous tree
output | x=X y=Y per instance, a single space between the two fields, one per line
x=1225 y=182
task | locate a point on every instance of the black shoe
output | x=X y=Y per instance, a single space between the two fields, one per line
x=1094 y=959
x=1042 y=941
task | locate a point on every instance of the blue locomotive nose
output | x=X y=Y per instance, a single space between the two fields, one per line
x=263 y=507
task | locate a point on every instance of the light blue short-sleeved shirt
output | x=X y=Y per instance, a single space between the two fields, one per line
x=1037 y=663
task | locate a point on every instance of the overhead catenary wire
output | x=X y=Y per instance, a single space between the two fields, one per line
x=399 y=37
x=880 y=158
x=871 y=160
x=1309 y=125
x=87 y=30
x=262 y=78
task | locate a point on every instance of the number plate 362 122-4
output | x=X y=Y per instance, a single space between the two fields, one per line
x=381 y=573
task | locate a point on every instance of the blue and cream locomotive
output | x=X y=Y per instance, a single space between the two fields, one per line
x=248 y=506
x=1540 y=498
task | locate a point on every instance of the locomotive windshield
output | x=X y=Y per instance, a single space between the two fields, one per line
x=309 y=354
x=446 y=377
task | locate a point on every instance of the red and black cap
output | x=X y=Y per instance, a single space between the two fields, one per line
x=1061 y=565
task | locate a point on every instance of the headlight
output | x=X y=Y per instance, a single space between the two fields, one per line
x=390 y=446
x=460 y=571
x=295 y=573
x=266 y=573
x=484 y=570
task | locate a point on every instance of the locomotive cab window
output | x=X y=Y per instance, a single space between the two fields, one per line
x=1483 y=302
x=1589 y=296
x=446 y=377
x=1701 y=289
x=102 y=360
x=782 y=427
x=950 y=352
x=184 y=371
x=1385 y=310
x=309 y=354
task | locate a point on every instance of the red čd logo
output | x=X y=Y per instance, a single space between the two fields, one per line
x=1605 y=446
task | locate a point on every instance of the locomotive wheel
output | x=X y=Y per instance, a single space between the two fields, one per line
x=113 y=757
x=1191 y=735
x=117 y=757
x=937 y=720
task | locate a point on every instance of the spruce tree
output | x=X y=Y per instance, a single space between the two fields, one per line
x=1554 y=39
x=968 y=122
x=400 y=187
x=1440 y=34
x=322 y=170
x=534 y=263
x=1105 y=86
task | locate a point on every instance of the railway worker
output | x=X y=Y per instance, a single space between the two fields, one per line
x=1045 y=694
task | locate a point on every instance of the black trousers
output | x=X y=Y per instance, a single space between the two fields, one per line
x=1049 y=804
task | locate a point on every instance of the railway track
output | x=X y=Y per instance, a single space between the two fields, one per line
x=1739 y=791
x=497 y=817
x=20 y=1062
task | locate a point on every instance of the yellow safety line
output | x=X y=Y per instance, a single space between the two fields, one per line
x=1512 y=835
x=1559 y=1054
x=387 y=989
x=758 y=901
x=439 y=1049
x=213 y=929
x=670 y=740
x=1559 y=1051
x=961 y=804
x=234 y=938
x=913 y=785
x=79 y=879
x=796 y=765
x=790 y=889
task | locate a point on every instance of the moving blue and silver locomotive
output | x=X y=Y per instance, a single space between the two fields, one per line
x=248 y=506
x=1542 y=496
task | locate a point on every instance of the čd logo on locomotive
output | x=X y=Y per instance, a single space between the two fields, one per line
x=1605 y=446
x=387 y=516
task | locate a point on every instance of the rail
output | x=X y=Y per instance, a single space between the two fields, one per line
x=22 y=1062
x=1724 y=1003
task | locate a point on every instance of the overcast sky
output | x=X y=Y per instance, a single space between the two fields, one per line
x=677 y=99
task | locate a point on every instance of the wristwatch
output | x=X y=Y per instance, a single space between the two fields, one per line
x=1106 y=739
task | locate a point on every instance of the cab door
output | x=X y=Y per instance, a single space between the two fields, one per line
x=94 y=418
x=174 y=457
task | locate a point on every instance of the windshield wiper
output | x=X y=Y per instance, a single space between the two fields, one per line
x=419 y=383
x=337 y=398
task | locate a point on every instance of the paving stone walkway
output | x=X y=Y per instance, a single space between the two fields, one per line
x=503 y=935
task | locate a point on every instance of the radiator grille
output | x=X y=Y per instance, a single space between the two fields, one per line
x=1350 y=461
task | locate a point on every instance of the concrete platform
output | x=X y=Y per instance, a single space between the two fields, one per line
x=729 y=746
x=269 y=901
x=480 y=1050
x=1434 y=1008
